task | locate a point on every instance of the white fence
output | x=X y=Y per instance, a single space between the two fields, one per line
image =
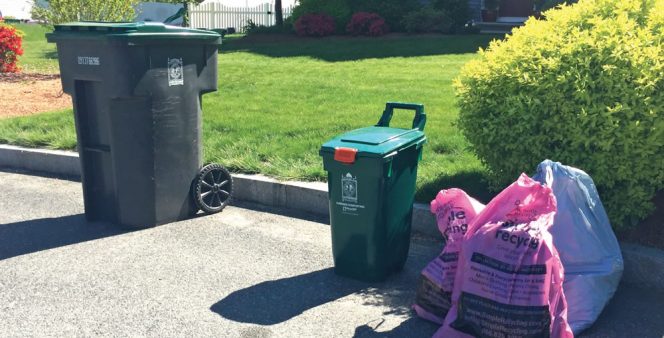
x=215 y=15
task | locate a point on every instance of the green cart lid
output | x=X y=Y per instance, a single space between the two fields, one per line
x=133 y=31
x=375 y=141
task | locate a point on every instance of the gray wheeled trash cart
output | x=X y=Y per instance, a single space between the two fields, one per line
x=137 y=90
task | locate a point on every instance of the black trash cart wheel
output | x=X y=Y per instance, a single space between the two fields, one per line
x=212 y=188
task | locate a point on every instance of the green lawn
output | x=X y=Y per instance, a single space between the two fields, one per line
x=38 y=55
x=278 y=101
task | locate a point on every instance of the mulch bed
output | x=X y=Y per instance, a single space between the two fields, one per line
x=23 y=77
x=23 y=94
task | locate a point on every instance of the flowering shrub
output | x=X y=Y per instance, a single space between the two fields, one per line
x=390 y=10
x=315 y=24
x=363 y=23
x=10 y=48
x=583 y=87
x=338 y=9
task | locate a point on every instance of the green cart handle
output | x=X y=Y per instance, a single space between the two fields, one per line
x=418 y=122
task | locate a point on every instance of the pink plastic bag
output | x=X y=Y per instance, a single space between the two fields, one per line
x=509 y=280
x=454 y=210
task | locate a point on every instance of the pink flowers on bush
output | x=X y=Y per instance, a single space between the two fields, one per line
x=315 y=24
x=363 y=23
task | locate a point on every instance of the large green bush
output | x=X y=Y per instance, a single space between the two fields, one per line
x=338 y=9
x=428 y=20
x=586 y=88
x=457 y=10
x=392 y=11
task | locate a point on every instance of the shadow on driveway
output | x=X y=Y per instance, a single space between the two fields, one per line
x=633 y=312
x=277 y=301
x=35 y=235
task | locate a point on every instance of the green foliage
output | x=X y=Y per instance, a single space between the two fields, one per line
x=543 y=5
x=584 y=87
x=178 y=1
x=61 y=11
x=186 y=3
x=251 y=28
x=457 y=10
x=393 y=11
x=338 y=9
x=427 y=21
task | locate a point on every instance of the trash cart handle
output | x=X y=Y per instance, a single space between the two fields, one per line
x=418 y=122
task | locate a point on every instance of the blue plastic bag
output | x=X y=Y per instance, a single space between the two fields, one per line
x=587 y=246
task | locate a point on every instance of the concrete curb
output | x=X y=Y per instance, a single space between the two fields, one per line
x=644 y=267
x=54 y=162
x=309 y=197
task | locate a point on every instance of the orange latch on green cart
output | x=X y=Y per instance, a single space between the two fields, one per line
x=345 y=155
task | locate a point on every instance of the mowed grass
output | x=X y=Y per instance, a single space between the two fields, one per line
x=280 y=98
x=38 y=55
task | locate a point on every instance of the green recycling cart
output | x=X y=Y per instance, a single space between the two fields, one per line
x=371 y=181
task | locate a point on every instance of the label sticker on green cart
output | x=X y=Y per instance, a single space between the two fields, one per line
x=349 y=188
x=349 y=198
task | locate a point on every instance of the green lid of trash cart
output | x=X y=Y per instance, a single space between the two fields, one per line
x=133 y=31
x=375 y=141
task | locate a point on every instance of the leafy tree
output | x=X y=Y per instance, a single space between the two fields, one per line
x=60 y=11
x=185 y=3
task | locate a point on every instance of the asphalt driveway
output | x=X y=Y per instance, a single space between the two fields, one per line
x=242 y=273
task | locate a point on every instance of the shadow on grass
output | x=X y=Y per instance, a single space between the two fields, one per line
x=50 y=54
x=35 y=235
x=342 y=48
x=474 y=183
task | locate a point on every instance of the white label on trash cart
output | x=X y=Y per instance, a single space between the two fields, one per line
x=349 y=188
x=175 y=73
x=350 y=209
x=88 y=60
